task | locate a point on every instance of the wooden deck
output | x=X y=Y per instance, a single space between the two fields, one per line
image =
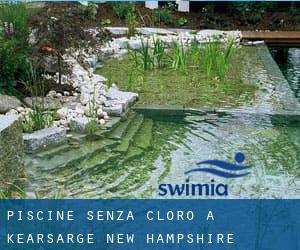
x=274 y=37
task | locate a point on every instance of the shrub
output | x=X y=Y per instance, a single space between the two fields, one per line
x=122 y=9
x=182 y=21
x=254 y=19
x=297 y=19
x=14 y=45
x=13 y=64
x=164 y=15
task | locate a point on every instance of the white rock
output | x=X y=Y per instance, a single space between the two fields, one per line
x=100 y=113
x=79 y=111
x=12 y=112
x=62 y=113
x=51 y=93
x=102 y=121
x=20 y=109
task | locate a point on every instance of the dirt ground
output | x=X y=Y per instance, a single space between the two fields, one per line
x=221 y=18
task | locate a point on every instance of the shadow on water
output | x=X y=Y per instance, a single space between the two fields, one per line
x=288 y=60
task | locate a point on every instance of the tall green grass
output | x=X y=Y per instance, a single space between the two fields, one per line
x=217 y=57
x=39 y=117
x=179 y=57
x=159 y=53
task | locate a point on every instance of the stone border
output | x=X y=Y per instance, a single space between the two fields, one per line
x=285 y=93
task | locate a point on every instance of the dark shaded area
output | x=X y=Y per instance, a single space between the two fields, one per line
x=288 y=60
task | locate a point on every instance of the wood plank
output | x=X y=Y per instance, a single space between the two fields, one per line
x=273 y=36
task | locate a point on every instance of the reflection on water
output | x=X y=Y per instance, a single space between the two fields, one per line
x=134 y=158
x=288 y=60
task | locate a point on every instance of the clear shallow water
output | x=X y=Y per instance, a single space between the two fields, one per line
x=139 y=154
x=288 y=60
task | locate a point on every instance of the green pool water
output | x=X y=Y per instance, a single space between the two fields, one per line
x=138 y=154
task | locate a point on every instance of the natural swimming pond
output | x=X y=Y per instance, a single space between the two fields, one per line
x=147 y=149
x=142 y=152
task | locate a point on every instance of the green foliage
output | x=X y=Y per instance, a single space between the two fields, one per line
x=38 y=118
x=159 y=53
x=122 y=9
x=164 y=15
x=149 y=58
x=106 y=22
x=13 y=64
x=297 y=19
x=254 y=18
x=216 y=58
x=131 y=20
x=182 y=21
x=14 y=45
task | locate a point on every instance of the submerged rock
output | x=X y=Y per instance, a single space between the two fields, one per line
x=7 y=103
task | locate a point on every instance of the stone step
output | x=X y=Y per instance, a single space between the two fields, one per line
x=91 y=164
x=51 y=152
x=72 y=157
x=132 y=153
x=122 y=128
x=143 y=137
x=128 y=138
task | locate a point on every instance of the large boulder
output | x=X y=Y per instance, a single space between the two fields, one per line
x=8 y=102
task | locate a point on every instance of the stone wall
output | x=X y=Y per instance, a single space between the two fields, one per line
x=11 y=152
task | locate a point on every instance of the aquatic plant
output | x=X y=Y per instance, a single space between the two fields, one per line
x=146 y=55
x=216 y=58
x=194 y=52
x=159 y=53
x=180 y=57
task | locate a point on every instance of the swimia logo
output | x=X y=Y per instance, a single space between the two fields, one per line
x=215 y=167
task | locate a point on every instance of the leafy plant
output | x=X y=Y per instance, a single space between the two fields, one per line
x=122 y=9
x=14 y=45
x=297 y=19
x=106 y=22
x=254 y=19
x=131 y=20
x=164 y=15
x=182 y=21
